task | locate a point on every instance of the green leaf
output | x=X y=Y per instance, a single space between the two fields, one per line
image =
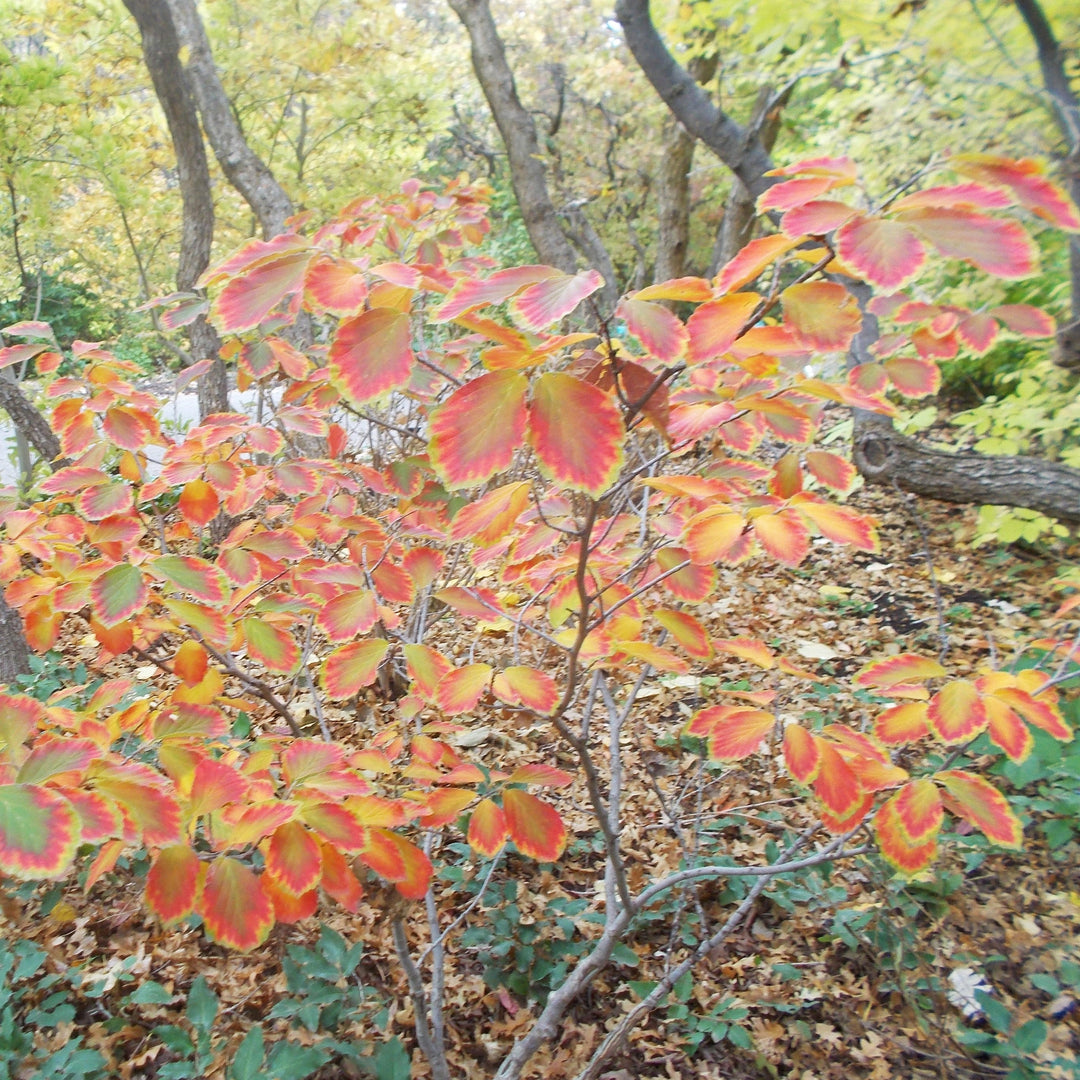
x=392 y=1061
x=740 y=1037
x=684 y=986
x=291 y=1062
x=998 y=1017
x=150 y=993
x=1030 y=1036
x=175 y=1039
x=623 y=954
x=202 y=1005
x=247 y=1065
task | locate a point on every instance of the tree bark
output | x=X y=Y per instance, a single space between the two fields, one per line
x=161 y=52
x=1066 y=108
x=518 y=133
x=243 y=168
x=14 y=654
x=28 y=420
x=884 y=457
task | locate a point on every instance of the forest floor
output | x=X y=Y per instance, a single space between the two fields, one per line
x=837 y=973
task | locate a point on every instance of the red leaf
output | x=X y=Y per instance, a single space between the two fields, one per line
x=294 y=858
x=545 y=303
x=347 y=615
x=488 y=830
x=749 y=262
x=956 y=712
x=980 y=804
x=837 y=523
x=413 y=873
x=236 y=911
x=1001 y=248
x=469 y=293
x=172 y=883
x=494 y=515
x=371 y=354
x=687 y=631
x=689 y=582
x=715 y=326
x=476 y=432
x=836 y=784
x=732 y=731
x=659 y=331
x=1007 y=730
x=351 y=667
x=902 y=724
x=792 y=193
x=823 y=314
x=339 y=881
x=577 y=433
x=248 y=299
x=905 y=668
x=335 y=285
x=528 y=687
x=1026 y=180
x=1024 y=319
x=801 y=753
x=783 y=536
x=815 y=218
x=886 y=253
x=831 y=470
x=534 y=826
x=908 y=858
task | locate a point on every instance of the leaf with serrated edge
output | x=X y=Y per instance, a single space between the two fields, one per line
x=487 y=829
x=193 y=575
x=294 y=858
x=351 y=667
x=118 y=594
x=236 y=911
x=526 y=686
x=956 y=712
x=908 y=858
x=691 y=289
x=273 y=646
x=1007 y=730
x=751 y=260
x=980 y=804
x=913 y=376
x=198 y=504
x=477 y=430
x=545 y=303
x=577 y=433
x=345 y=616
x=491 y=517
x=214 y=785
x=801 y=753
x=918 y=807
x=836 y=784
x=172 y=883
x=371 y=354
x=39 y=832
x=783 y=536
x=831 y=470
x=460 y=689
x=534 y=826
x=1001 y=248
x=1024 y=319
x=896 y=670
x=414 y=870
x=752 y=649
x=713 y=535
x=837 y=523
x=886 y=253
x=338 y=880
x=1040 y=714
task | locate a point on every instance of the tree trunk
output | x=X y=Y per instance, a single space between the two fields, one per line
x=243 y=168
x=14 y=655
x=29 y=421
x=881 y=455
x=518 y=132
x=884 y=457
x=161 y=52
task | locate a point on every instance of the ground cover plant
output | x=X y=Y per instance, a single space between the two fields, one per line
x=466 y=507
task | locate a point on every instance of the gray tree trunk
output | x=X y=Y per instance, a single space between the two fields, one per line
x=518 y=131
x=161 y=52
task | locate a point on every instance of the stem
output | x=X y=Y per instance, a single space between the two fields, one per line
x=435 y=1054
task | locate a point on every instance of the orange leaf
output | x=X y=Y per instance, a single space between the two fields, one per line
x=488 y=830
x=801 y=753
x=491 y=517
x=757 y=652
x=751 y=260
x=836 y=784
x=660 y=331
x=956 y=712
x=783 y=536
x=236 y=911
x=460 y=689
x=732 y=731
x=715 y=326
x=198 y=503
x=980 y=804
x=476 y=431
x=371 y=355
x=909 y=858
x=545 y=303
x=902 y=724
x=172 y=883
x=338 y=880
x=823 y=314
x=576 y=431
x=351 y=667
x=1007 y=730
x=886 y=253
x=919 y=810
x=896 y=670
x=294 y=858
x=534 y=826
x=526 y=686
x=687 y=631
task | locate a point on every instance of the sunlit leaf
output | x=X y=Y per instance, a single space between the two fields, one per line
x=714 y=326
x=461 y=689
x=886 y=253
x=751 y=260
